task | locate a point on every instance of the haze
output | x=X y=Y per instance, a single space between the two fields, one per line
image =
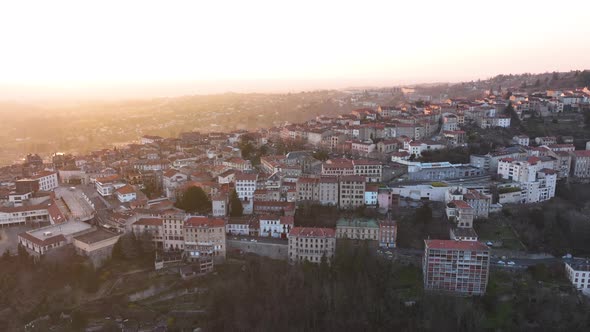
x=140 y=48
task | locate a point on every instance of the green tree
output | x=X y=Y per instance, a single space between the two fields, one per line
x=235 y=205
x=194 y=200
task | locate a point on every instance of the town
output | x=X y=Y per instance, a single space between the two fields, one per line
x=461 y=194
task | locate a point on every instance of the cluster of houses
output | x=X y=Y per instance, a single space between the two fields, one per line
x=140 y=183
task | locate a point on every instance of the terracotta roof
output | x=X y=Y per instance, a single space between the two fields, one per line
x=461 y=204
x=42 y=174
x=312 y=232
x=246 y=176
x=149 y=222
x=287 y=220
x=451 y=244
x=582 y=153
x=204 y=222
x=126 y=189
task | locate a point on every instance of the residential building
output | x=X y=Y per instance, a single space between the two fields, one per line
x=581 y=163
x=152 y=226
x=275 y=226
x=106 y=186
x=387 y=234
x=521 y=140
x=577 y=272
x=328 y=190
x=204 y=237
x=219 y=204
x=357 y=229
x=460 y=267
x=47 y=180
x=126 y=194
x=311 y=244
x=351 y=191
x=308 y=189
x=173 y=231
x=246 y=185
x=171 y=180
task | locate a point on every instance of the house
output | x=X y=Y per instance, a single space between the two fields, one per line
x=417 y=147
x=152 y=226
x=459 y=267
x=521 y=140
x=275 y=226
x=311 y=244
x=240 y=225
x=126 y=194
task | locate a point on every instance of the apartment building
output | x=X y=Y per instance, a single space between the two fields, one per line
x=246 y=185
x=47 y=180
x=311 y=244
x=276 y=226
x=460 y=267
x=387 y=234
x=152 y=226
x=351 y=191
x=204 y=237
x=173 y=231
x=578 y=273
x=307 y=189
x=581 y=164
x=328 y=190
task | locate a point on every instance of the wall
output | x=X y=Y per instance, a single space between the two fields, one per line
x=274 y=250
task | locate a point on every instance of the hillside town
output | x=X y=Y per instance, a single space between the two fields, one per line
x=298 y=191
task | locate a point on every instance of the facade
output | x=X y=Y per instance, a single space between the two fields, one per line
x=126 y=194
x=311 y=244
x=47 y=180
x=387 y=234
x=581 y=164
x=460 y=267
x=357 y=229
x=578 y=273
x=205 y=238
x=246 y=185
x=328 y=191
x=351 y=191
x=152 y=226
x=441 y=171
x=107 y=186
x=275 y=226
x=219 y=205
x=173 y=231
x=41 y=240
x=307 y=189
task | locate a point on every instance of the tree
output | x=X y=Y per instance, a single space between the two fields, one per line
x=235 y=205
x=194 y=200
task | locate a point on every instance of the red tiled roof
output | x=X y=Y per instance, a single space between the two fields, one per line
x=312 y=232
x=461 y=204
x=126 y=189
x=451 y=244
x=42 y=174
x=582 y=153
x=287 y=220
x=149 y=222
x=204 y=222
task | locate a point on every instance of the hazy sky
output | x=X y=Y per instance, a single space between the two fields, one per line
x=177 y=47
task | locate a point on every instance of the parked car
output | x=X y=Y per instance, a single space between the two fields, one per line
x=501 y=262
x=511 y=263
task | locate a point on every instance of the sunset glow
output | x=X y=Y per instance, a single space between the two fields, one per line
x=66 y=44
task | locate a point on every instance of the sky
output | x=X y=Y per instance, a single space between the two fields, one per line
x=129 y=48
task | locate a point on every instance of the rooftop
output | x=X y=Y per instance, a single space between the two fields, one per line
x=357 y=222
x=312 y=232
x=95 y=236
x=458 y=245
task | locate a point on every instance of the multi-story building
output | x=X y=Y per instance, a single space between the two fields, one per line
x=204 y=237
x=581 y=164
x=460 y=214
x=521 y=140
x=107 y=186
x=311 y=244
x=479 y=202
x=275 y=226
x=152 y=226
x=246 y=185
x=535 y=176
x=370 y=169
x=460 y=267
x=357 y=229
x=307 y=189
x=171 y=180
x=328 y=190
x=387 y=234
x=351 y=191
x=47 y=180
x=578 y=273
x=219 y=204
x=173 y=231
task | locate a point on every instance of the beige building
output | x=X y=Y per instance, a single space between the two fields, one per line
x=311 y=244
x=328 y=193
x=173 y=231
x=357 y=229
x=96 y=245
x=352 y=191
x=204 y=237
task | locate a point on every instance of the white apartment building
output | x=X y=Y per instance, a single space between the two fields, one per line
x=47 y=180
x=328 y=193
x=578 y=273
x=537 y=182
x=275 y=226
x=246 y=185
